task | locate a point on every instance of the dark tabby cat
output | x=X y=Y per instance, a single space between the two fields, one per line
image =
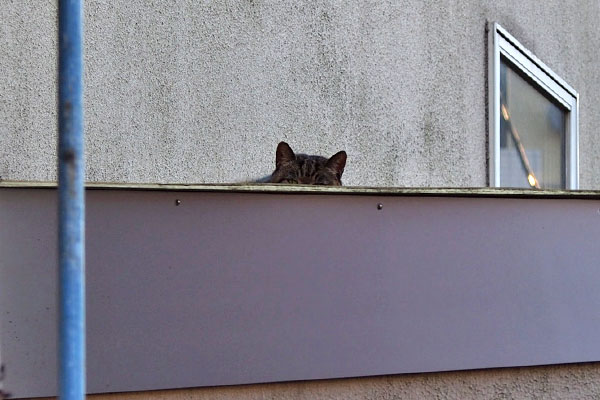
x=307 y=170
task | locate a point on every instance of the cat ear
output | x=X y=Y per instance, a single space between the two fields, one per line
x=337 y=162
x=284 y=154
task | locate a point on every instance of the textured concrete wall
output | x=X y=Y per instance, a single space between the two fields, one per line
x=189 y=91
x=565 y=382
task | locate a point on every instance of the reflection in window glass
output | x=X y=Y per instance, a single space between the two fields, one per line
x=532 y=135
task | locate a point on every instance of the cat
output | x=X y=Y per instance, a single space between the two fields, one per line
x=291 y=168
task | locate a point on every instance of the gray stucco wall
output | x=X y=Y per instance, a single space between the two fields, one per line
x=186 y=91
x=565 y=382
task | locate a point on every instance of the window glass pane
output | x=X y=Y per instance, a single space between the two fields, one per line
x=532 y=135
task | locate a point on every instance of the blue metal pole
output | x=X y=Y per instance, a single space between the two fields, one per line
x=71 y=168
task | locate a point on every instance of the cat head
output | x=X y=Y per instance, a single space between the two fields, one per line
x=294 y=168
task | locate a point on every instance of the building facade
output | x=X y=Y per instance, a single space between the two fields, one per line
x=189 y=92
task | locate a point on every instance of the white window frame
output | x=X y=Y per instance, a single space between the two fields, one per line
x=503 y=44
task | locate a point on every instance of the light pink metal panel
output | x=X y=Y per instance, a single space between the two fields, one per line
x=229 y=288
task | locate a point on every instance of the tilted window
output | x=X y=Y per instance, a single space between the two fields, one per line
x=533 y=120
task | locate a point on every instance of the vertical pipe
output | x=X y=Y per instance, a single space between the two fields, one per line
x=71 y=380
